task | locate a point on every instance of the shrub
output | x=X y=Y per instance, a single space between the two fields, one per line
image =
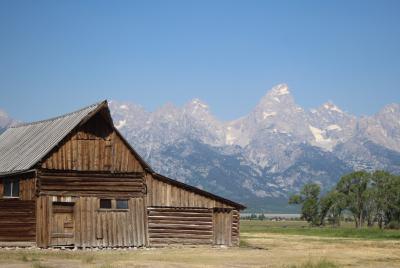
x=24 y=258
x=394 y=225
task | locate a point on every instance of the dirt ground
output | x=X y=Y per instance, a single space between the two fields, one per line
x=259 y=250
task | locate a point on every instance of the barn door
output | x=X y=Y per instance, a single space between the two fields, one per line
x=222 y=221
x=62 y=224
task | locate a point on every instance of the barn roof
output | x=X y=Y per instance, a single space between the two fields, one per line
x=24 y=145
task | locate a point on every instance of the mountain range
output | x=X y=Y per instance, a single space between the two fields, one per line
x=263 y=157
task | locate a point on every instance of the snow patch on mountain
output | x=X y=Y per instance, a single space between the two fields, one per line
x=333 y=127
x=281 y=89
x=120 y=124
x=266 y=114
x=332 y=107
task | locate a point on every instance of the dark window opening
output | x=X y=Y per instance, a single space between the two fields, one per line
x=105 y=203
x=122 y=204
x=11 y=188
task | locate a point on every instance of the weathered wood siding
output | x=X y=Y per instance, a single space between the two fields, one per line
x=222 y=223
x=94 y=146
x=63 y=224
x=17 y=220
x=43 y=219
x=95 y=227
x=27 y=189
x=180 y=226
x=110 y=227
x=161 y=193
x=91 y=183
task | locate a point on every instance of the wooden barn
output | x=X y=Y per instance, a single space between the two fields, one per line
x=75 y=181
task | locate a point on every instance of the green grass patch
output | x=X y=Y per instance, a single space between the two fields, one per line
x=319 y=264
x=244 y=243
x=302 y=228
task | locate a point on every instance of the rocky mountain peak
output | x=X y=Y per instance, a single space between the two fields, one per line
x=278 y=93
x=392 y=108
x=196 y=106
x=279 y=90
x=277 y=98
x=331 y=107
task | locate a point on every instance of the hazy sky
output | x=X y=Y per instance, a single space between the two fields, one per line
x=56 y=56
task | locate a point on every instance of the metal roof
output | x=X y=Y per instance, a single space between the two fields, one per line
x=24 y=145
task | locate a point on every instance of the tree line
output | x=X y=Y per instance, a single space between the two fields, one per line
x=369 y=197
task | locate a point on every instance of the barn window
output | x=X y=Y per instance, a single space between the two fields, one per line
x=122 y=204
x=105 y=203
x=11 y=188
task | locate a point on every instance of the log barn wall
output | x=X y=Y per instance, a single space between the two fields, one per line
x=235 y=227
x=73 y=183
x=167 y=201
x=180 y=226
x=17 y=220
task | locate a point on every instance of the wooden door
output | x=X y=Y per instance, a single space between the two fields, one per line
x=222 y=221
x=62 y=224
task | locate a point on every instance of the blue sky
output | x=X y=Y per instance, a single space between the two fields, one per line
x=56 y=56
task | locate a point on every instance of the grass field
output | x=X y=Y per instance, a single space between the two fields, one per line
x=346 y=230
x=263 y=244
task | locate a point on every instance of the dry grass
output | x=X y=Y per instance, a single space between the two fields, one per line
x=258 y=250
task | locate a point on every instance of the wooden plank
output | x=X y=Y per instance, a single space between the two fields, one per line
x=134 y=221
x=78 y=222
x=139 y=232
x=114 y=229
x=146 y=223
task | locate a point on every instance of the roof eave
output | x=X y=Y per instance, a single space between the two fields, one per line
x=16 y=172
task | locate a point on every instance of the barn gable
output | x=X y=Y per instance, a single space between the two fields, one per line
x=94 y=145
x=82 y=140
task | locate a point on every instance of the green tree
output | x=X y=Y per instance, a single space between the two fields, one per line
x=309 y=199
x=354 y=187
x=332 y=205
x=261 y=217
x=253 y=216
x=386 y=189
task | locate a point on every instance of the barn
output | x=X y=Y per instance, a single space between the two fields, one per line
x=74 y=181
